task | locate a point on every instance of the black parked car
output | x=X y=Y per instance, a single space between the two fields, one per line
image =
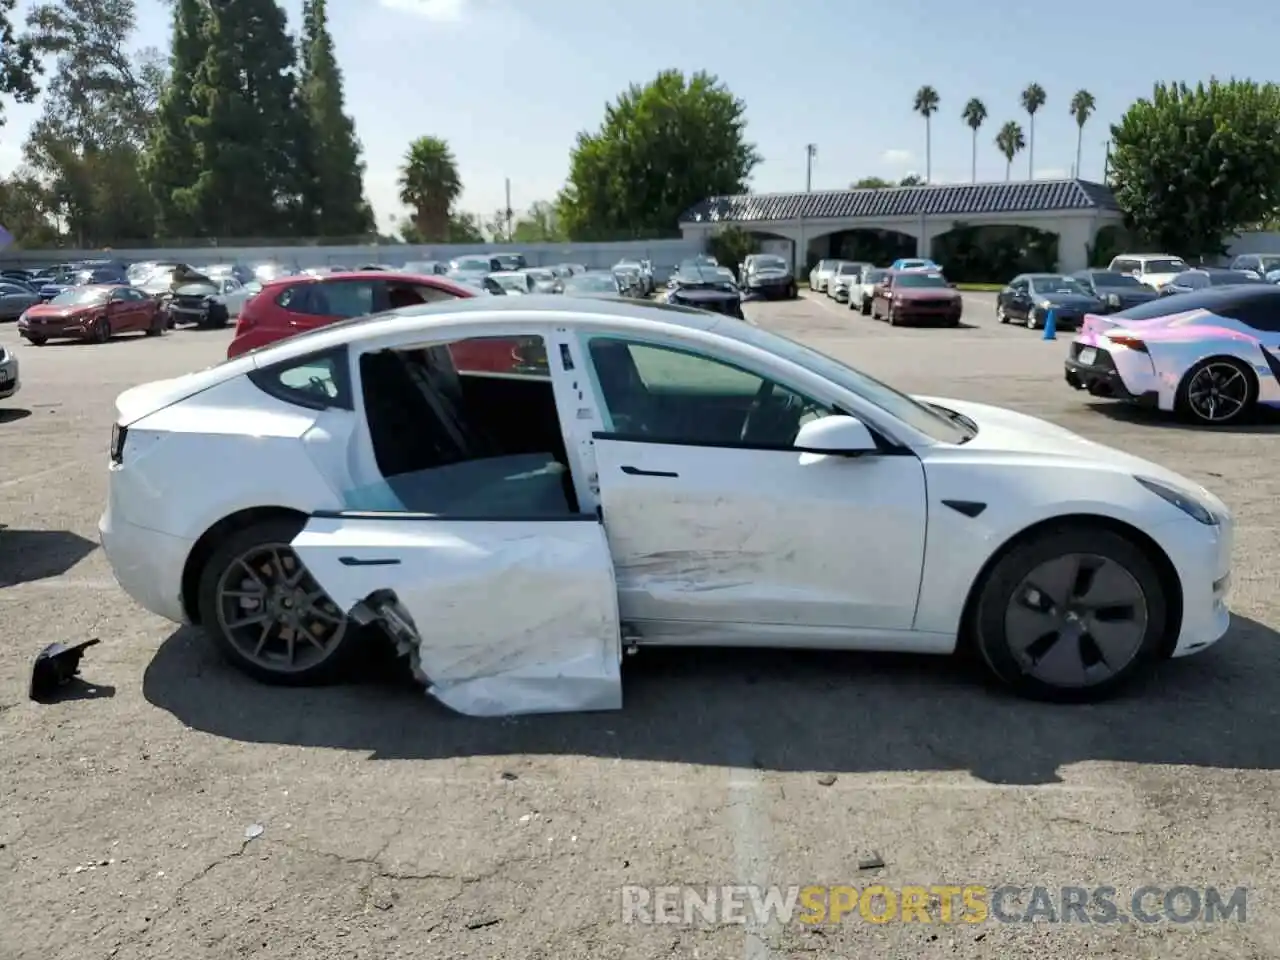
x=1029 y=298
x=1204 y=277
x=706 y=287
x=1117 y=291
x=769 y=276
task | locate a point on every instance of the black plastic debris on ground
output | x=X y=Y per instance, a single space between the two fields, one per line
x=55 y=667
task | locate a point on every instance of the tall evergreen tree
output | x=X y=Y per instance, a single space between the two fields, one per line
x=246 y=124
x=335 y=190
x=171 y=165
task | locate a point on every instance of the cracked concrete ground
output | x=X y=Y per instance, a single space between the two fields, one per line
x=391 y=828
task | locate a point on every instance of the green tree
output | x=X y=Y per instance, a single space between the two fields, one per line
x=1010 y=142
x=870 y=183
x=430 y=185
x=1194 y=164
x=732 y=245
x=538 y=225
x=661 y=148
x=464 y=228
x=98 y=111
x=334 y=202
x=247 y=125
x=926 y=104
x=24 y=210
x=912 y=180
x=19 y=65
x=170 y=165
x=1032 y=100
x=974 y=115
x=1082 y=107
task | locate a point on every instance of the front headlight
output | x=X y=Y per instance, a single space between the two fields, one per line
x=1113 y=299
x=1192 y=507
x=23 y=317
x=1046 y=305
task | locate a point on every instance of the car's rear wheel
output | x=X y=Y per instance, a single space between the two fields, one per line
x=1217 y=392
x=158 y=325
x=266 y=613
x=1071 y=614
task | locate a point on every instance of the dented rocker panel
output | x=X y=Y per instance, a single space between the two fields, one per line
x=498 y=616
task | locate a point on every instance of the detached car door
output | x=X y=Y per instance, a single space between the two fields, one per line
x=714 y=517
x=499 y=616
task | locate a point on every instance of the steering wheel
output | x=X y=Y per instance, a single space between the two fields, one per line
x=753 y=411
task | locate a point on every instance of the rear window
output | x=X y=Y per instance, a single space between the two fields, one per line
x=920 y=280
x=1219 y=300
x=318 y=381
x=1163 y=266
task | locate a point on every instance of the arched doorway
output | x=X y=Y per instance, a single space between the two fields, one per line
x=994 y=253
x=867 y=245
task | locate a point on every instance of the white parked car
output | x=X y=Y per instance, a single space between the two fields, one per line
x=517 y=488
x=822 y=273
x=1153 y=269
x=10 y=378
x=846 y=276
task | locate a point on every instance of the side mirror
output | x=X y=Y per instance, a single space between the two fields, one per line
x=834 y=436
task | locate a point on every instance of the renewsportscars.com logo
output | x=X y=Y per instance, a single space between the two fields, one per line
x=939 y=903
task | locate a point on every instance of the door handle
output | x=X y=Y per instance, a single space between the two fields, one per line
x=368 y=561
x=637 y=472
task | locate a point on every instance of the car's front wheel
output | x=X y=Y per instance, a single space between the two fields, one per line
x=266 y=613
x=1071 y=614
x=1217 y=392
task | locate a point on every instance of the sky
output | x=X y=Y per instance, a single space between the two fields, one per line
x=509 y=83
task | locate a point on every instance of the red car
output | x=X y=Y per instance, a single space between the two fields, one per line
x=95 y=313
x=915 y=296
x=297 y=304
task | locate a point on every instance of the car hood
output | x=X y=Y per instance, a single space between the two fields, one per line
x=1002 y=431
x=770 y=275
x=1068 y=300
x=48 y=311
x=926 y=293
x=1158 y=279
x=695 y=293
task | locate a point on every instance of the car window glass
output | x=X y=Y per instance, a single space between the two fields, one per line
x=660 y=393
x=316 y=376
x=347 y=299
x=1260 y=313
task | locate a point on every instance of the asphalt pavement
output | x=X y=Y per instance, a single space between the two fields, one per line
x=174 y=808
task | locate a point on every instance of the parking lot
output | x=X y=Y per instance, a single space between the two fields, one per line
x=176 y=808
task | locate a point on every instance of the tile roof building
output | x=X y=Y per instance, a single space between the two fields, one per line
x=1073 y=209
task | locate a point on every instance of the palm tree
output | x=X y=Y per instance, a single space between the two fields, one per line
x=1032 y=100
x=430 y=184
x=1010 y=142
x=1082 y=107
x=927 y=105
x=974 y=114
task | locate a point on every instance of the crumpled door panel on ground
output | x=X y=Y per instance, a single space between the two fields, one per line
x=498 y=617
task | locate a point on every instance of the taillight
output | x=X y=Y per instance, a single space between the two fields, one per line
x=1133 y=343
x=118 y=434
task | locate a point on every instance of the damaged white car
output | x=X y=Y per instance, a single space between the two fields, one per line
x=518 y=490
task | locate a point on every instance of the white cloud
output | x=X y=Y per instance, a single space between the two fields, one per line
x=437 y=11
x=1053 y=173
x=897 y=158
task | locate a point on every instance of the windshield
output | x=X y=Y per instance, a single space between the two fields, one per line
x=80 y=297
x=542 y=276
x=1045 y=286
x=926 y=419
x=511 y=281
x=1163 y=266
x=920 y=280
x=1269 y=263
x=875 y=276
x=472 y=263
x=1105 y=278
x=770 y=263
x=586 y=283
x=848 y=268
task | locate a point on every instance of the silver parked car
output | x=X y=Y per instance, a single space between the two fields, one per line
x=14 y=299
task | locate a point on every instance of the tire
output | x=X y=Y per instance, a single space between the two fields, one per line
x=995 y=610
x=216 y=318
x=1001 y=315
x=793 y=292
x=158 y=326
x=1193 y=410
x=1032 y=323
x=220 y=571
x=101 y=331
x=37 y=341
x=866 y=308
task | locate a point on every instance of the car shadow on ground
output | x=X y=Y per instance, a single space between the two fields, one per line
x=27 y=555
x=783 y=711
x=13 y=414
x=1263 y=419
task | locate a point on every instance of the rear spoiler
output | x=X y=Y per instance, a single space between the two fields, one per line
x=1097 y=325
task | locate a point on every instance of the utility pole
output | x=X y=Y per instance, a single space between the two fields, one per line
x=810 y=151
x=507 y=211
x=1106 y=164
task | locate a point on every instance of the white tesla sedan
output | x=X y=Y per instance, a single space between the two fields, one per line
x=518 y=489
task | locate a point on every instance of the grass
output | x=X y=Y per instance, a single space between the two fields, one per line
x=980 y=287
